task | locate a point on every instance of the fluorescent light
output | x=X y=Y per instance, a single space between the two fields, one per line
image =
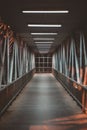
x=44 y=42
x=43 y=49
x=43 y=33
x=52 y=12
x=43 y=52
x=42 y=45
x=45 y=25
x=43 y=38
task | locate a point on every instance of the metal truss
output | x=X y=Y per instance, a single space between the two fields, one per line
x=16 y=58
x=71 y=59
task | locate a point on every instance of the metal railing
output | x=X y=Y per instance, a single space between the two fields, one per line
x=9 y=92
x=76 y=90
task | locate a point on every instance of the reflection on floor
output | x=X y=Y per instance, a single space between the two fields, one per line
x=75 y=122
x=44 y=105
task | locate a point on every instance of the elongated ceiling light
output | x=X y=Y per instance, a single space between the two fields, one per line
x=43 y=38
x=46 y=45
x=43 y=45
x=43 y=48
x=45 y=25
x=43 y=33
x=49 y=12
x=44 y=42
x=43 y=52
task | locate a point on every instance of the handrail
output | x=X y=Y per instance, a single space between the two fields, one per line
x=81 y=96
x=10 y=91
x=83 y=86
x=4 y=86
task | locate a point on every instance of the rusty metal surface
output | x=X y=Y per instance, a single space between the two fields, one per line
x=44 y=105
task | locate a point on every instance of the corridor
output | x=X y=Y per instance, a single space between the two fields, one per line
x=43 y=105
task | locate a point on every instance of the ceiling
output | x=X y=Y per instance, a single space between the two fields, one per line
x=11 y=13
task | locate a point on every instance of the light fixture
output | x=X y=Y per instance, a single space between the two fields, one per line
x=42 y=52
x=45 y=25
x=44 y=49
x=43 y=45
x=43 y=33
x=44 y=42
x=49 y=12
x=43 y=38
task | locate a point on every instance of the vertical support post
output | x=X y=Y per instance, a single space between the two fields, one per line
x=20 y=62
x=70 y=60
x=11 y=66
x=26 y=60
x=67 y=59
x=77 y=66
x=84 y=100
x=3 y=59
x=8 y=80
x=81 y=70
x=85 y=58
x=72 y=72
x=15 y=62
x=61 y=67
x=63 y=61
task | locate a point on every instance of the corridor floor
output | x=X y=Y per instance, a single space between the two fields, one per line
x=43 y=105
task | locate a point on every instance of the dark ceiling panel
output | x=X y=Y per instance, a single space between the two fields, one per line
x=11 y=13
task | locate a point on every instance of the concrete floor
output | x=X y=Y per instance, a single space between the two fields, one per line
x=43 y=105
